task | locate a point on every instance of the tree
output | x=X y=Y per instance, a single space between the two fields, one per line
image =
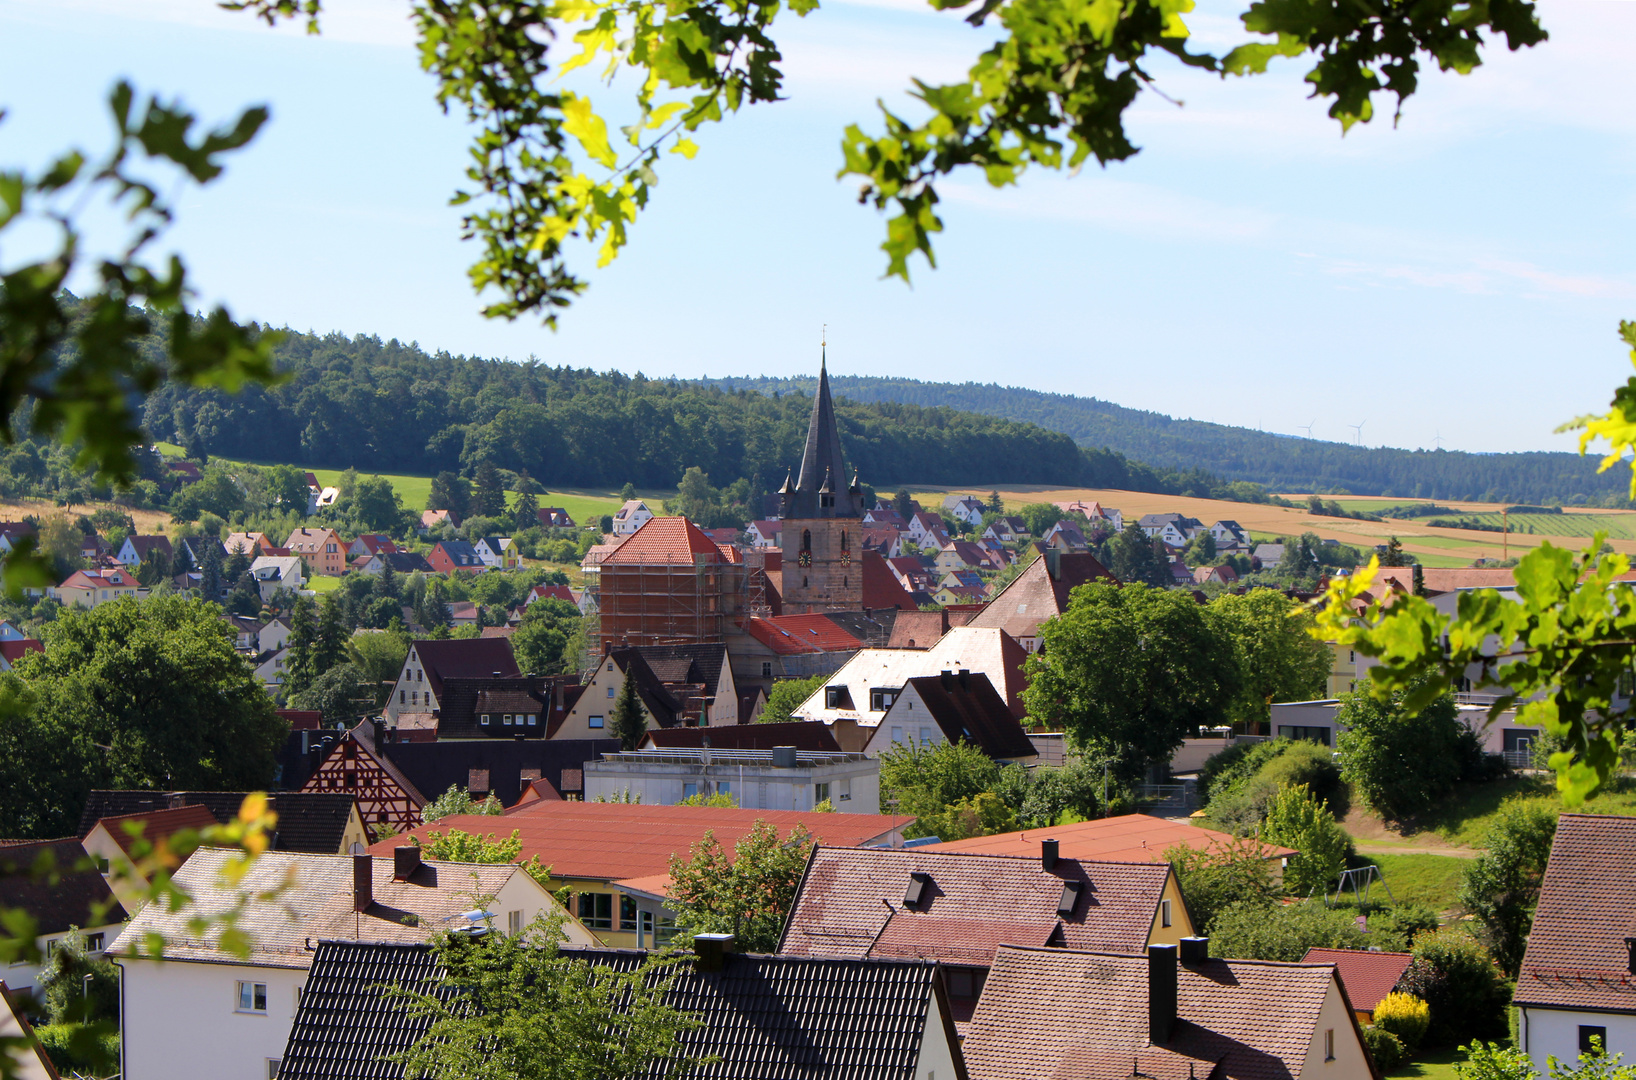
x=488 y=498
x=1129 y=672
x=216 y=492
x=1212 y=880
x=543 y=644
x=904 y=504
x=1278 y=656
x=995 y=504
x=516 y=1008
x=1400 y=761
x=626 y=494
x=1296 y=819
x=629 y=722
x=525 y=509
x=1394 y=554
x=376 y=505
x=300 y=669
x=1501 y=886
x=984 y=814
x=749 y=895
x=786 y=696
x=210 y=571
x=926 y=780
x=451 y=492
x=1254 y=930
x=457 y=800
x=330 y=641
x=339 y=692
x=378 y=658
x=131 y=695
x=456 y=846
x=1131 y=558
x=1467 y=992
x=286 y=488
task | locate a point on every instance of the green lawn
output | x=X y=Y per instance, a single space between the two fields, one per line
x=1434 y=1063
x=1432 y=880
x=1463 y=818
x=323 y=583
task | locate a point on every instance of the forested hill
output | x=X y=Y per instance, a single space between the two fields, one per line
x=1281 y=463
x=390 y=407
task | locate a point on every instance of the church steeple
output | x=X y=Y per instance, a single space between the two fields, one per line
x=820 y=491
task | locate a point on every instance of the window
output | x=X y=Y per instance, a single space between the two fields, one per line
x=897 y=733
x=689 y=790
x=402 y=694
x=1164 y=912
x=272 y=1068
x=93 y=942
x=484 y=720
x=666 y=931
x=806 y=539
x=595 y=721
x=833 y=696
x=846 y=790
x=723 y=787
x=1319 y=735
x=820 y=792
x=1329 y=1044
x=531 y=718
x=102 y=864
x=252 y=997
x=627 y=912
x=610 y=691
x=514 y=923
x=1593 y=1040
x=644 y=936
x=505 y=720
x=925 y=735
x=596 y=910
x=959 y=983
x=881 y=700
x=766 y=669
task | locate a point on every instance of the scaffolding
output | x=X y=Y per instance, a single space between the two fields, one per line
x=668 y=600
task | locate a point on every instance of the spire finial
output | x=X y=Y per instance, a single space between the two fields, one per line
x=823 y=348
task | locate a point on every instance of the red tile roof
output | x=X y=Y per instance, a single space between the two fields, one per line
x=1127 y=838
x=881 y=588
x=1035 y=595
x=15 y=650
x=918 y=629
x=614 y=841
x=665 y=540
x=1577 y=956
x=1368 y=976
x=1049 y=1013
x=970 y=905
x=792 y=635
x=157 y=824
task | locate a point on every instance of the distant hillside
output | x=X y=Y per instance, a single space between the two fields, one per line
x=1281 y=463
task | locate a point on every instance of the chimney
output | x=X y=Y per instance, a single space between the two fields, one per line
x=405 y=861
x=965 y=678
x=1161 y=993
x=948 y=680
x=363 y=881
x=378 y=726
x=1195 y=951
x=712 y=950
x=1053 y=563
x=1048 y=854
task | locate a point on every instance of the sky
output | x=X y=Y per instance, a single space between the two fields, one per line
x=1455 y=281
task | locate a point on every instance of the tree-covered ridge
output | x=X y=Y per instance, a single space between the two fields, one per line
x=1280 y=462
x=373 y=405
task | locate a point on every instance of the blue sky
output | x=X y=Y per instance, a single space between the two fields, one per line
x=1461 y=276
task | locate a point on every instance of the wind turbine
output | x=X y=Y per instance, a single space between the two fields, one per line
x=1358 y=430
x=1307 y=428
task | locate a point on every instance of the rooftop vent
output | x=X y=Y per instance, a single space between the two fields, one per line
x=1195 y=950
x=1069 y=899
x=783 y=757
x=711 y=951
x=363 y=882
x=918 y=883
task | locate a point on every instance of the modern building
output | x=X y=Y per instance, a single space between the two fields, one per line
x=781 y=778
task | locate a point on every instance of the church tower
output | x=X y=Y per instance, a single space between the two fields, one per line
x=823 y=553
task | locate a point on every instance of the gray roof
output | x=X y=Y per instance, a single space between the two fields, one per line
x=317 y=905
x=308 y=821
x=347 y=1022
x=822 y=469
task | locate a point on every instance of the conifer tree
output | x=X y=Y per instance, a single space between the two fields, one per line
x=629 y=720
x=526 y=511
x=488 y=499
x=302 y=642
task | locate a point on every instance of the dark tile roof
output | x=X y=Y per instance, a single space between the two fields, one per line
x=687 y=663
x=970 y=905
x=1368 y=976
x=660 y=702
x=470 y=658
x=433 y=766
x=308 y=821
x=1066 y=1013
x=462 y=700
x=799 y=1018
x=1036 y=594
x=872 y=626
x=801 y=734
x=1577 y=956
x=966 y=706
x=57 y=901
x=347 y=1022
x=404 y=562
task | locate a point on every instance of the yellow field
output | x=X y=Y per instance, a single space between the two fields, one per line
x=1435 y=546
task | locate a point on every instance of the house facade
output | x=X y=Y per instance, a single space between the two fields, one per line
x=276 y=573
x=323 y=549
x=456 y=557
x=630 y=516
x=781 y=778
x=93 y=588
x=497 y=552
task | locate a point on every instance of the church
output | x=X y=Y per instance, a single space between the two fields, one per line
x=823 y=519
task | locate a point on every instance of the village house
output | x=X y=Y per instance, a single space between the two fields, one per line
x=110 y=842
x=759 y=1016
x=79 y=894
x=1578 y=977
x=248 y=544
x=93 y=588
x=1174 y=1013
x=959 y=555
x=455 y=557
x=437 y=521
x=1123 y=838
x=1065 y=536
x=277 y=573
x=323 y=549
x=136 y=548
x=429 y=662
x=764 y=534
x=631 y=515
x=956 y=595
x=1096 y=514
x=400 y=562
x=498 y=552
x=952 y=706
x=1007 y=530
x=371 y=544
x=270 y=668
x=887 y=543
x=1038 y=593
x=1230 y=536
x=14 y=649
x=927 y=531
x=28 y=1058
x=615 y=857
x=13 y=531
x=958 y=909
x=790 y=647
x=313 y=823
x=1269 y=555
x=964 y=509
x=592 y=714
x=778 y=778
x=1367 y=975
x=194 y=549
x=203 y=1012
x=1215 y=575
x=554 y=517
x=1174 y=529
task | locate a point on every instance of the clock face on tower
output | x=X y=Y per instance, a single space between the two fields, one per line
x=806 y=558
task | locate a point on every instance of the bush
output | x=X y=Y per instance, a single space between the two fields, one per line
x=1401 y=764
x=1454 y=975
x=87 y=1048
x=1244 y=788
x=1402 y=924
x=1387 y=1049
x=1405 y=1016
x=1297 y=819
x=1223 y=772
x=1501 y=887
x=1494 y=1061
x=1212 y=881
x=1249 y=930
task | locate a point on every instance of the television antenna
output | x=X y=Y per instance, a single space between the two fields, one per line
x=1358 y=431
x=1307 y=428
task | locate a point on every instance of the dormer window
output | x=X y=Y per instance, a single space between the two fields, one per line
x=826 y=502
x=484 y=720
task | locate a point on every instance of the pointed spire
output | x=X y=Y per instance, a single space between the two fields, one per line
x=822 y=466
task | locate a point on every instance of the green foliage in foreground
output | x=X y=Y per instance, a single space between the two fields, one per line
x=748 y=894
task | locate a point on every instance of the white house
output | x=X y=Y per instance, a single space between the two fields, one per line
x=79 y=890
x=964 y=508
x=631 y=516
x=204 y=1013
x=1006 y=530
x=926 y=530
x=778 y=779
x=765 y=534
x=1174 y=529
x=271 y=667
x=1229 y=534
x=952 y=707
x=1575 y=984
x=496 y=551
x=277 y=572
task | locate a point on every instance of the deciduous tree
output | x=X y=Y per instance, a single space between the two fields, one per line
x=748 y=894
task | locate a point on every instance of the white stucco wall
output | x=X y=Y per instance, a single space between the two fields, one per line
x=180 y=1020
x=1350 y=1061
x=1549 y=1033
x=936 y=1052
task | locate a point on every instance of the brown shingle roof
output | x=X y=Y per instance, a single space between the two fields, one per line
x=967 y=706
x=1368 y=976
x=1577 y=956
x=972 y=904
x=1060 y=1013
x=1125 y=838
x=918 y=629
x=58 y=903
x=464 y=657
x=1035 y=595
x=157 y=824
